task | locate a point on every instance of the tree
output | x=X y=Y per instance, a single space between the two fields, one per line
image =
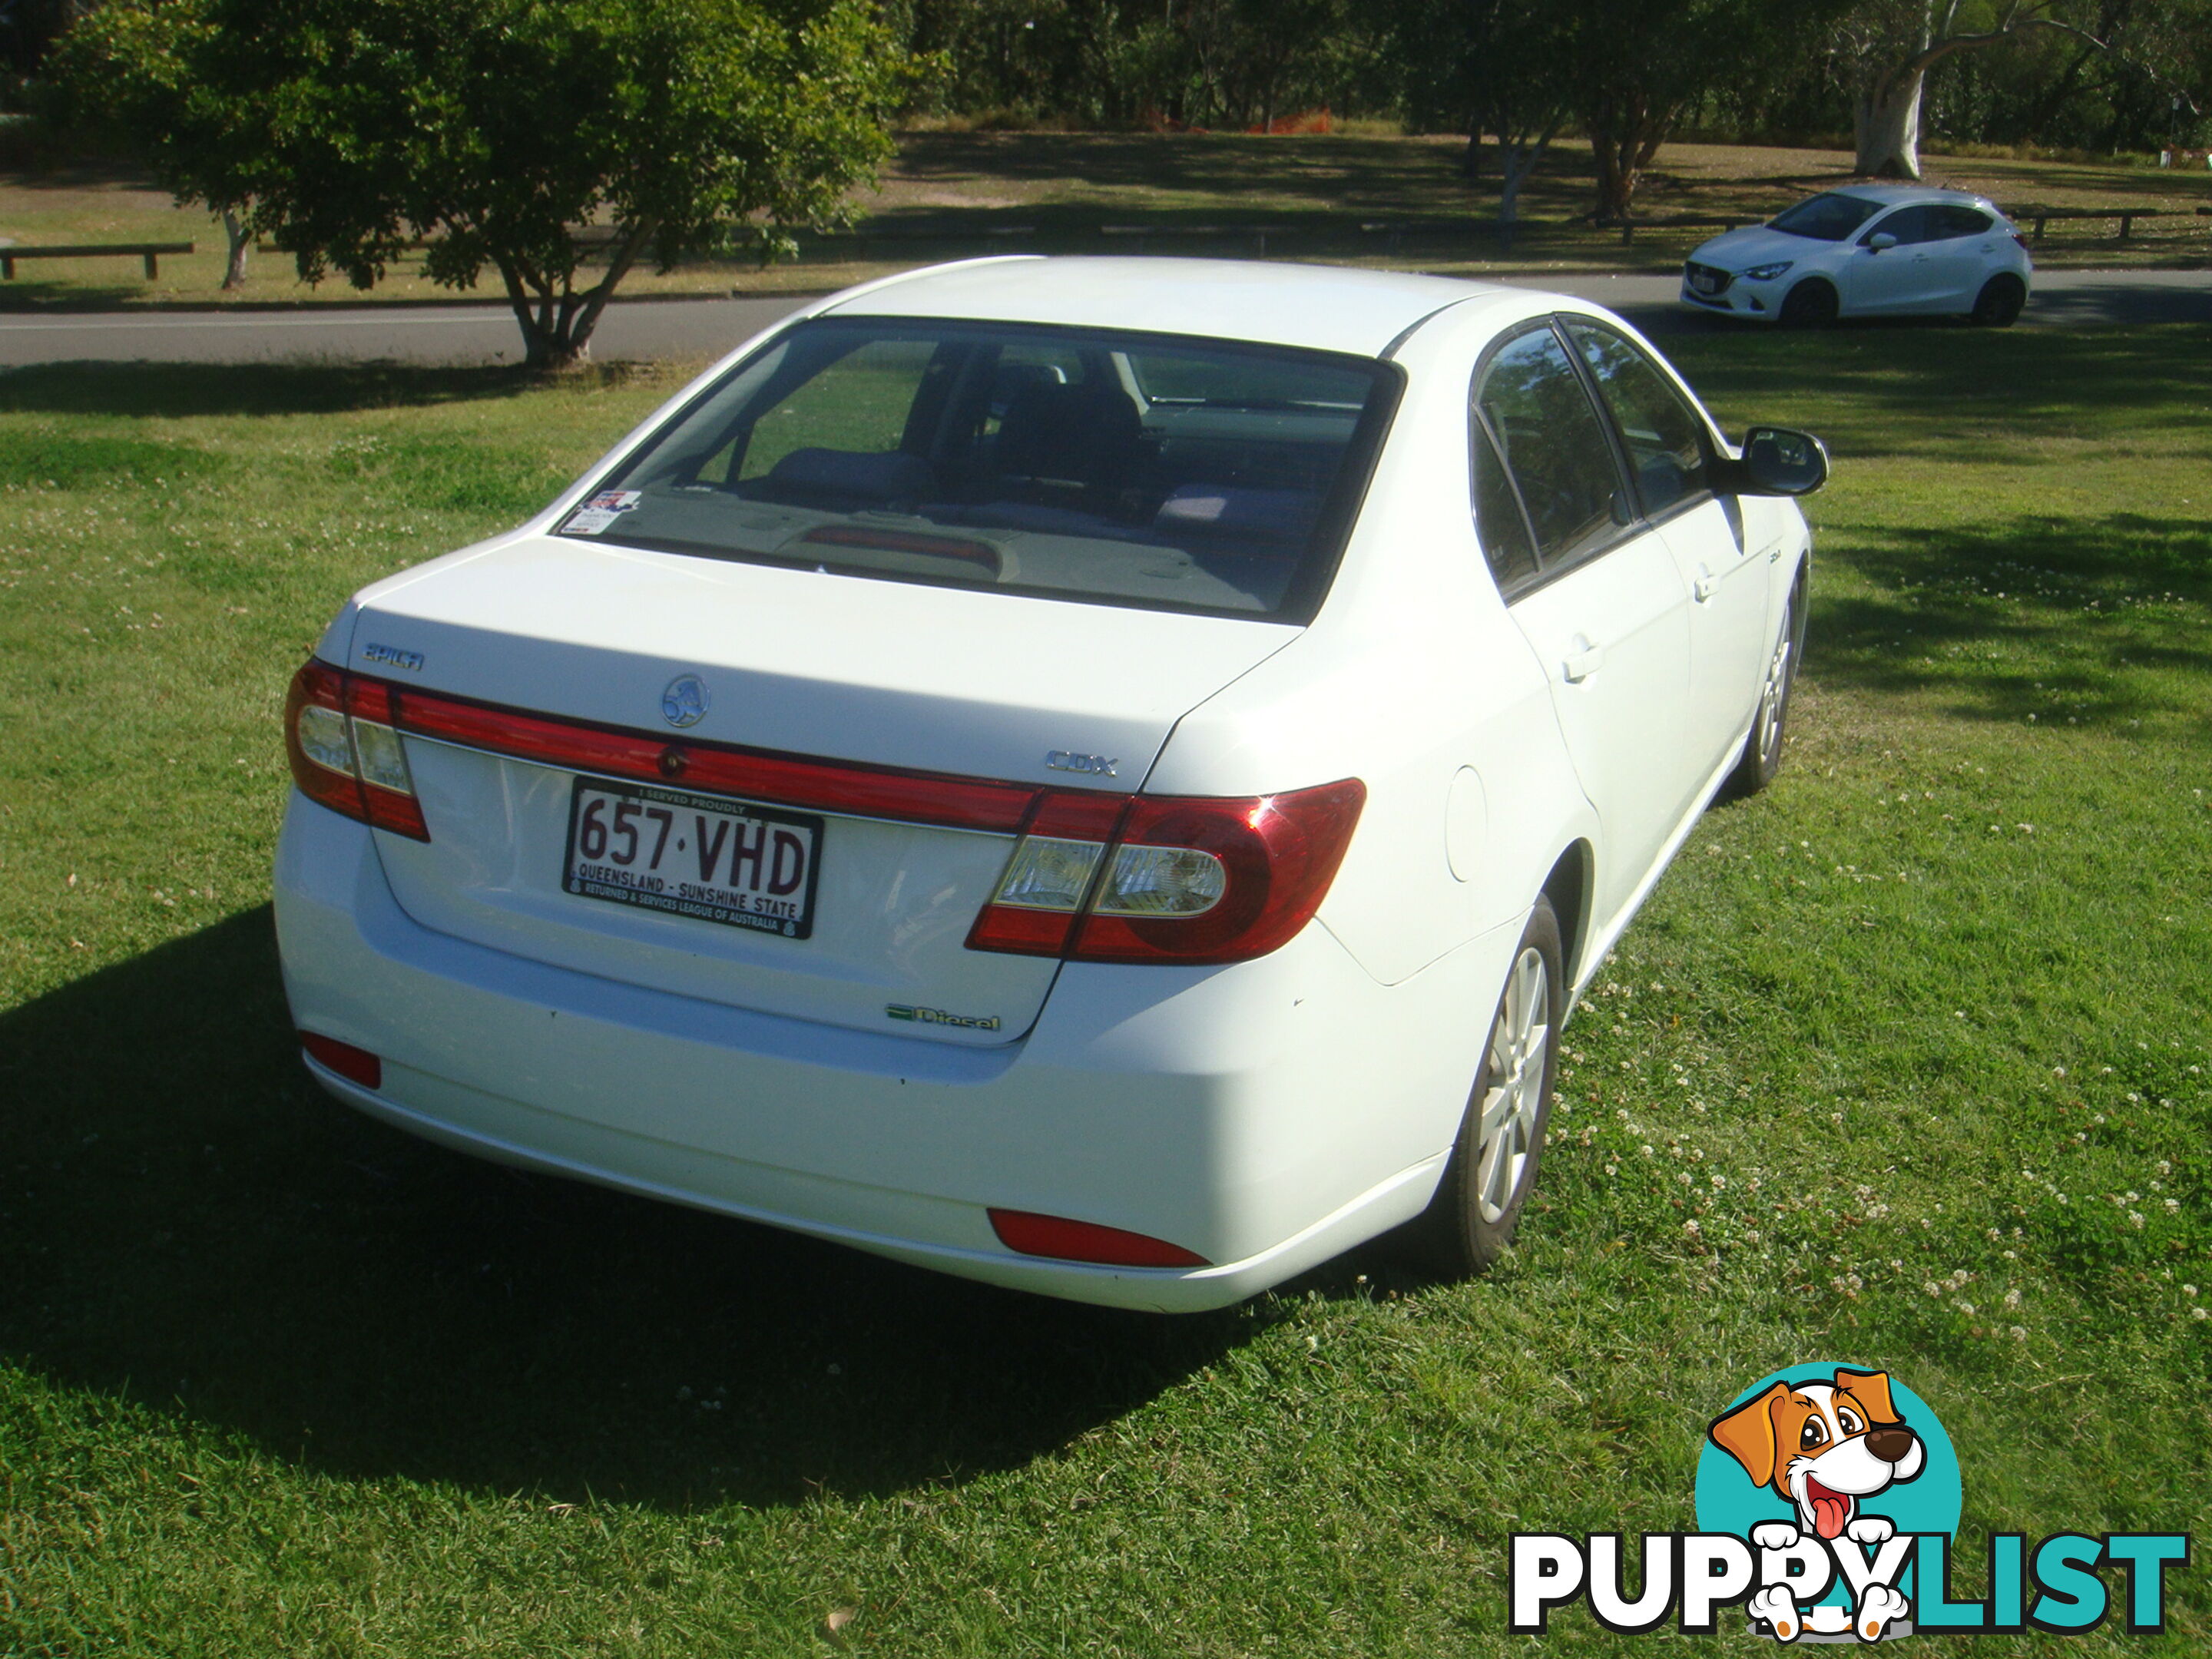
x=1641 y=66
x=1895 y=44
x=557 y=141
x=1501 y=67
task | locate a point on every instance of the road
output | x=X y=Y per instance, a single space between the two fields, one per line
x=652 y=329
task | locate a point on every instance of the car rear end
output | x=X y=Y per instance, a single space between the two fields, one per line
x=766 y=832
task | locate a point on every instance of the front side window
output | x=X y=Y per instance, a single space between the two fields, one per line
x=1129 y=469
x=1532 y=400
x=1664 y=437
x=1826 y=218
x=1911 y=225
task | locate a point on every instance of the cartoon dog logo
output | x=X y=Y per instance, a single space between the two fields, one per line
x=1824 y=1446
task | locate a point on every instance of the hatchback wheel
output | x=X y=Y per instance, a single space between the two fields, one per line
x=1998 y=305
x=1493 y=1163
x=1811 y=304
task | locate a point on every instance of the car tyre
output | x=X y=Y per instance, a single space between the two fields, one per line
x=1811 y=304
x=1471 y=1221
x=1762 y=745
x=1999 y=303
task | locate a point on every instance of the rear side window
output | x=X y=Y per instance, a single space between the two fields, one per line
x=1964 y=222
x=1664 y=437
x=1531 y=398
x=1499 y=523
x=1123 y=469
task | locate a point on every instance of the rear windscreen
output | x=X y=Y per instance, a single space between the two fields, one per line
x=1141 y=469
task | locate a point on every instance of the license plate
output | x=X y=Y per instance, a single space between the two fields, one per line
x=694 y=855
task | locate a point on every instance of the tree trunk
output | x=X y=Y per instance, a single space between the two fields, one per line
x=1886 y=124
x=1617 y=177
x=241 y=244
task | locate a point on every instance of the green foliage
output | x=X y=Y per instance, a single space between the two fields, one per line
x=349 y=130
x=1233 y=64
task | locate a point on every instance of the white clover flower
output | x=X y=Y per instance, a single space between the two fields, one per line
x=2012 y=1298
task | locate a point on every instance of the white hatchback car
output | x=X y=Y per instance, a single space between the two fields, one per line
x=1867 y=250
x=1099 y=775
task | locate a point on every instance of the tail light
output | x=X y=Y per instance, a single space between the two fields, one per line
x=341 y=734
x=1167 y=878
x=2022 y=240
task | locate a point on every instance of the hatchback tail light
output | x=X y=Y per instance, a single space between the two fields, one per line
x=2022 y=240
x=1167 y=878
x=341 y=734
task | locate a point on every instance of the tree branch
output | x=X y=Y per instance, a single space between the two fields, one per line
x=1937 y=50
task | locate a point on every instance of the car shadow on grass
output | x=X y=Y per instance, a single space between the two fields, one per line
x=187 y=1222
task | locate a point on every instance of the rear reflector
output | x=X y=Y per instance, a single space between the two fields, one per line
x=1176 y=879
x=355 y=1065
x=1086 y=1241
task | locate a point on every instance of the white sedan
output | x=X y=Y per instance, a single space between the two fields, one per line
x=1867 y=250
x=1103 y=776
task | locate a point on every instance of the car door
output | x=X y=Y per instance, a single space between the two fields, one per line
x=1879 y=280
x=1960 y=256
x=1597 y=593
x=1669 y=446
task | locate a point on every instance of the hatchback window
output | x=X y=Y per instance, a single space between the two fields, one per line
x=1825 y=218
x=1665 y=437
x=1910 y=224
x=1533 y=400
x=1123 y=469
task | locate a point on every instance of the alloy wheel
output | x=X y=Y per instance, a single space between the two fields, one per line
x=1513 y=1085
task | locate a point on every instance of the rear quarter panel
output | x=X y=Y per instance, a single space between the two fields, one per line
x=1411 y=672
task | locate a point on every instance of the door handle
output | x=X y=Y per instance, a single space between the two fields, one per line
x=1581 y=665
x=1706 y=585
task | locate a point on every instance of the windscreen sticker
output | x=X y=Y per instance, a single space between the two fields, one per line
x=602 y=510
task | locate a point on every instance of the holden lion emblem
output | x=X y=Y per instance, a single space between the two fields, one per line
x=684 y=701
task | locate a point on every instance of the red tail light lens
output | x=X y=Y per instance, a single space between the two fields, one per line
x=1182 y=880
x=342 y=737
x=355 y=1065
x=1086 y=1241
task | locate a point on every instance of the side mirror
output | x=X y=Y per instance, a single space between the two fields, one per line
x=1778 y=460
x=1879 y=240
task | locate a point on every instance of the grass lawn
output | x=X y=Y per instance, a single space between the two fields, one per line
x=1916 y=1041
x=1053 y=191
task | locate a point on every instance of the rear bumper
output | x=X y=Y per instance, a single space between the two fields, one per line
x=1266 y=1117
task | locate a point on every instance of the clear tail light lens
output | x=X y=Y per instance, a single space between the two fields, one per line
x=1169 y=878
x=341 y=739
